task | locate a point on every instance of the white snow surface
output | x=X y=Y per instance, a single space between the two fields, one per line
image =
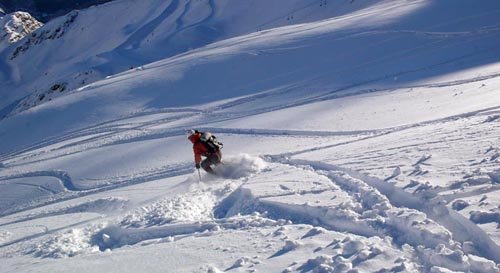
x=359 y=136
x=69 y=52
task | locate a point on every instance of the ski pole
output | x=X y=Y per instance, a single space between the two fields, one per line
x=199 y=174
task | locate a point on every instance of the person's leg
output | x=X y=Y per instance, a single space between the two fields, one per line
x=216 y=158
x=205 y=164
x=212 y=159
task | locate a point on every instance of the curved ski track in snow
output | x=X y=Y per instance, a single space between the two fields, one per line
x=433 y=206
x=135 y=39
x=111 y=184
x=60 y=175
x=382 y=199
x=144 y=133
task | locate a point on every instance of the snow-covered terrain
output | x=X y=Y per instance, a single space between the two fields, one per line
x=359 y=136
x=16 y=26
x=64 y=55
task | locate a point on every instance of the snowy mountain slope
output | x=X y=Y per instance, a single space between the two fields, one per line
x=376 y=131
x=283 y=73
x=70 y=52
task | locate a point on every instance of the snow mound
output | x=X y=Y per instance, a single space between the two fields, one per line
x=313 y=232
x=483 y=217
x=194 y=206
x=243 y=165
x=290 y=245
x=326 y=264
x=4 y=234
x=444 y=259
x=480 y=264
x=251 y=221
x=66 y=244
x=459 y=204
x=352 y=254
x=212 y=269
x=189 y=207
x=241 y=262
x=414 y=227
x=495 y=175
x=114 y=236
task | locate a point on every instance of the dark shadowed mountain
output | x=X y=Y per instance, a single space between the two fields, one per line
x=44 y=10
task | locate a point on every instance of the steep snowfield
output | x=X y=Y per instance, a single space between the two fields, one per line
x=69 y=51
x=366 y=142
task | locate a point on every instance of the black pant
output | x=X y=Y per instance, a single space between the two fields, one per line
x=212 y=159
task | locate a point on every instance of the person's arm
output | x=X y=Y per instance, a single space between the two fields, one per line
x=197 y=156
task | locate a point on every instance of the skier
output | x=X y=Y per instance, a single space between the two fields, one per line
x=205 y=144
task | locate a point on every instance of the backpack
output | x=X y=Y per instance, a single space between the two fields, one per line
x=210 y=142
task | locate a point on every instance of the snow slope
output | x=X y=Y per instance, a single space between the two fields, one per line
x=67 y=51
x=366 y=142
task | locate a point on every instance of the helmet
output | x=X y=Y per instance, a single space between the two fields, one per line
x=191 y=132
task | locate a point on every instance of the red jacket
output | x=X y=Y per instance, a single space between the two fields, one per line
x=198 y=148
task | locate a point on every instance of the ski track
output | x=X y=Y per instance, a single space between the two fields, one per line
x=180 y=20
x=48 y=190
x=121 y=182
x=118 y=136
x=439 y=142
x=47 y=232
x=66 y=180
x=370 y=192
x=62 y=176
x=109 y=184
x=135 y=39
x=212 y=113
x=335 y=93
x=105 y=136
x=462 y=228
x=370 y=188
x=98 y=205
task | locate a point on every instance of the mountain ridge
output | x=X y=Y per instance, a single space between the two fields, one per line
x=46 y=10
